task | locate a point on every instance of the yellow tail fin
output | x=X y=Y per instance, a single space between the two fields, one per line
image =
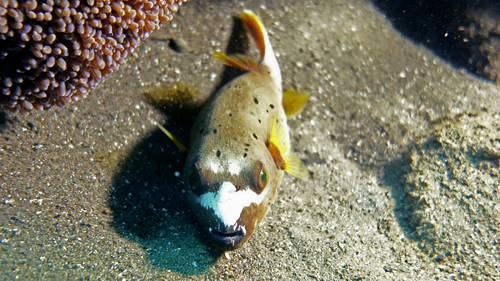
x=255 y=27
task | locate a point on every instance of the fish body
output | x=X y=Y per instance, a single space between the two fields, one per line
x=239 y=147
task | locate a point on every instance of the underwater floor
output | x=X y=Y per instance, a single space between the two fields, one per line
x=402 y=151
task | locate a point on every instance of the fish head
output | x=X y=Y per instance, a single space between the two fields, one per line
x=231 y=189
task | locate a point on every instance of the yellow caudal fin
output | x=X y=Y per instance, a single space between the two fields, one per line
x=256 y=29
x=280 y=150
x=237 y=61
x=293 y=102
x=174 y=139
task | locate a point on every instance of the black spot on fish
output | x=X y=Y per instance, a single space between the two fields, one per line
x=256 y=100
x=246 y=149
x=215 y=131
x=246 y=144
x=230 y=114
x=267 y=111
x=260 y=121
x=244 y=155
x=271 y=106
x=220 y=125
x=269 y=72
x=255 y=136
x=218 y=153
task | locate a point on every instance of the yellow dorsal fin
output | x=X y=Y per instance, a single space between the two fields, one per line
x=280 y=150
x=255 y=27
x=174 y=139
x=237 y=61
x=293 y=102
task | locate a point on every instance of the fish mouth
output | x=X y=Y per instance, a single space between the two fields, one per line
x=229 y=239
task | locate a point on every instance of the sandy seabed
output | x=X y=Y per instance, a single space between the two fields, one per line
x=402 y=151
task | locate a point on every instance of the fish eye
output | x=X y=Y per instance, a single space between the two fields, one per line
x=260 y=178
x=263 y=178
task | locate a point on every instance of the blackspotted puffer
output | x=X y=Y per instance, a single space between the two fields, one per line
x=240 y=145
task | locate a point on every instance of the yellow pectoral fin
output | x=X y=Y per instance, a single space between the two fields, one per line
x=280 y=150
x=237 y=61
x=293 y=102
x=174 y=139
x=294 y=166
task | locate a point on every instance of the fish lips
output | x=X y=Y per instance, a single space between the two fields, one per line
x=228 y=238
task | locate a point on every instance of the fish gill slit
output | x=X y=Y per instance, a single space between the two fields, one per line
x=244 y=155
x=202 y=130
x=255 y=136
x=260 y=122
x=271 y=106
x=218 y=153
x=215 y=131
x=255 y=100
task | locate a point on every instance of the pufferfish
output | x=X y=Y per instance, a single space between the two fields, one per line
x=240 y=145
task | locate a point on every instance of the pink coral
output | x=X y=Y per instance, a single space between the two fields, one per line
x=55 y=51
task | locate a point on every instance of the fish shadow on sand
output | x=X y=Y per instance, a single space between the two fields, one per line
x=147 y=201
x=148 y=208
